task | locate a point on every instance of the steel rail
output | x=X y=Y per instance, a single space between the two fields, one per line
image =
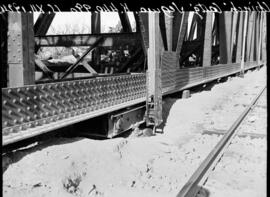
x=192 y=187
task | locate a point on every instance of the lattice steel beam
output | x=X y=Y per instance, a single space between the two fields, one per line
x=110 y=39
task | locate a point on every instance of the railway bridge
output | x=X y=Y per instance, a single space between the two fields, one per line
x=119 y=76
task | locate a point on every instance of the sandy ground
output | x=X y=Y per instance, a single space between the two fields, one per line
x=146 y=166
x=242 y=169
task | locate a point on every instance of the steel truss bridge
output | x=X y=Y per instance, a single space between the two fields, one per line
x=165 y=57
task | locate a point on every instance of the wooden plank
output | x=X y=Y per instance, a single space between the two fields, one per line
x=239 y=39
x=182 y=33
x=225 y=22
x=207 y=47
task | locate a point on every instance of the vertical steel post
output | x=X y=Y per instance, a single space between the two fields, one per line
x=95 y=22
x=244 y=45
x=260 y=40
x=234 y=23
x=20 y=57
x=169 y=28
x=154 y=88
x=225 y=23
x=264 y=37
x=207 y=46
x=96 y=29
x=182 y=33
x=239 y=40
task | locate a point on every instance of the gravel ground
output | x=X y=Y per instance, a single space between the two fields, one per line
x=146 y=166
x=242 y=169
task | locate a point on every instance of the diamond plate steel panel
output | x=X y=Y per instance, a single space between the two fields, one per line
x=28 y=107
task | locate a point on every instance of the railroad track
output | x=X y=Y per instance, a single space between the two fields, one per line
x=200 y=176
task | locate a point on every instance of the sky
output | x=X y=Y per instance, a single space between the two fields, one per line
x=78 y=20
x=64 y=19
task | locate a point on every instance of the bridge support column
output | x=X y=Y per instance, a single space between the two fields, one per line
x=154 y=88
x=96 y=29
x=20 y=50
x=244 y=46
